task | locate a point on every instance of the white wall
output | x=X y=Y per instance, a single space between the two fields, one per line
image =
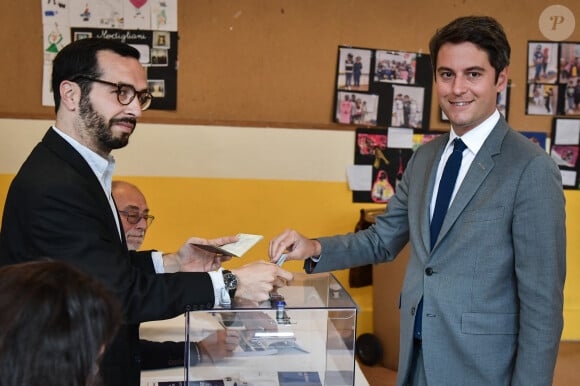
x=207 y=151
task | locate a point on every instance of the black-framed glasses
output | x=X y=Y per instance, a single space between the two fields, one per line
x=125 y=92
x=134 y=217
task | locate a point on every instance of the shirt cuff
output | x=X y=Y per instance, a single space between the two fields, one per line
x=157 y=258
x=221 y=295
x=310 y=263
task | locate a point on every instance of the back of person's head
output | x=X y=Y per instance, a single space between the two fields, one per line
x=483 y=31
x=80 y=58
x=55 y=323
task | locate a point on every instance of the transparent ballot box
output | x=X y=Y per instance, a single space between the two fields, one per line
x=304 y=335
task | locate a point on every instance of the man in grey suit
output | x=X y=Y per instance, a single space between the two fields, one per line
x=481 y=302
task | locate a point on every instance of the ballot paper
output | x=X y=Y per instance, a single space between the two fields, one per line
x=238 y=249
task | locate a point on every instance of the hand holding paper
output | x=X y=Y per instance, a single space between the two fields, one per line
x=238 y=249
x=189 y=258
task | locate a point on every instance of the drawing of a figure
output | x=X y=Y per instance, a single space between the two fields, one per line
x=54 y=39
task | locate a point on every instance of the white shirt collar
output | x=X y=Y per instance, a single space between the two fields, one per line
x=102 y=167
x=475 y=137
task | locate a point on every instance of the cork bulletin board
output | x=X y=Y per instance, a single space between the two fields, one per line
x=273 y=63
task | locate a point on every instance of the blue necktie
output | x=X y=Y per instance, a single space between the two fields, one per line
x=446 y=187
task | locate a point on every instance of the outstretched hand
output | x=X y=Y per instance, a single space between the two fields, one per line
x=190 y=258
x=295 y=245
x=256 y=280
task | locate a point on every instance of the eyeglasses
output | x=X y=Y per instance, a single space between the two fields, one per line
x=134 y=217
x=125 y=92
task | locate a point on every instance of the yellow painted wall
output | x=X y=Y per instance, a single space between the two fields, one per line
x=572 y=288
x=184 y=207
x=213 y=207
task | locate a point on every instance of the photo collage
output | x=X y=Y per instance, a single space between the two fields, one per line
x=149 y=26
x=565 y=148
x=387 y=95
x=553 y=78
x=381 y=88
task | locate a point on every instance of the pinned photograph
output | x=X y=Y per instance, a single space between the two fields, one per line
x=356 y=108
x=542 y=62
x=396 y=67
x=354 y=66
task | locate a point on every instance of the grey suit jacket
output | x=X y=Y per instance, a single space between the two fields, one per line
x=493 y=282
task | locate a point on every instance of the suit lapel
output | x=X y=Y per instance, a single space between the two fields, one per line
x=123 y=239
x=65 y=151
x=481 y=166
x=430 y=168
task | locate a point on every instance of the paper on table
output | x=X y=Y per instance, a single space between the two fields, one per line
x=244 y=244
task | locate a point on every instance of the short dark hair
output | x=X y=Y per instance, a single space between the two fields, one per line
x=80 y=58
x=54 y=324
x=483 y=31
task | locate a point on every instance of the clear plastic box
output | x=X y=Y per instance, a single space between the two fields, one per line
x=309 y=340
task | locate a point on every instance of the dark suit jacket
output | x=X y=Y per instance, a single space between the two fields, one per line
x=161 y=355
x=493 y=283
x=56 y=208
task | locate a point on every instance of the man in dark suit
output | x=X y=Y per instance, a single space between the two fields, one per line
x=135 y=220
x=59 y=205
x=482 y=298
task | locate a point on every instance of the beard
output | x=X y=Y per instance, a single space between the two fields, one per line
x=99 y=129
x=134 y=241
